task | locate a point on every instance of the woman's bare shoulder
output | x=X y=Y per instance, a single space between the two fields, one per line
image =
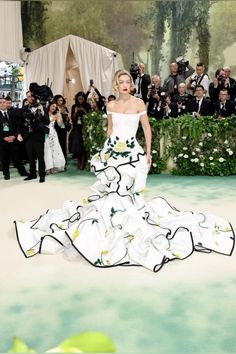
x=139 y=104
x=111 y=106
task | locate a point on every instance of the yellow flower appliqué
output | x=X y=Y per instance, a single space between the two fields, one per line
x=120 y=146
x=30 y=252
x=75 y=234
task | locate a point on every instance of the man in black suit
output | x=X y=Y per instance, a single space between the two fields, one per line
x=142 y=82
x=33 y=129
x=199 y=105
x=9 y=145
x=223 y=107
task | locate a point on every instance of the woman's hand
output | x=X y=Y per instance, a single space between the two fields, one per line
x=149 y=160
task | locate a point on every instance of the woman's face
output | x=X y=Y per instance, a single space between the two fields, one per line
x=124 y=84
x=80 y=99
x=53 y=107
x=60 y=101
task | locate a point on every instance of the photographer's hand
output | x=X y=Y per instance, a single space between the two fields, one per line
x=19 y=138
x=215 y=82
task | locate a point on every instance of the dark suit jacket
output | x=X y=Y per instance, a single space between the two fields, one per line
x=226 y=111
x=206 y=107
x=146 y=80
x=11 y=123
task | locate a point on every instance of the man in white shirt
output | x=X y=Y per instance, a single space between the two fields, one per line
x=199 y=78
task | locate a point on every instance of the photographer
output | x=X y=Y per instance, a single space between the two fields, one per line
x=179 y=72
x=142 y=82
x=9 y=145
x=181 y=99
x=33 y=128
x=199 y=78
x=166 y=108
x=220 y=82
x=223 y=107
x=154 y=96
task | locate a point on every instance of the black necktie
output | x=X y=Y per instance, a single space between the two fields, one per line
x=198 y=105
x=139 y=84
x=6 y=116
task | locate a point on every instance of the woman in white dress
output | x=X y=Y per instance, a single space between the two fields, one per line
x=116 y=226
x=53 y=154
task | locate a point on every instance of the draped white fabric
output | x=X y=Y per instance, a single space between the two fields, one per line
x=48 y=64
x=10 y=31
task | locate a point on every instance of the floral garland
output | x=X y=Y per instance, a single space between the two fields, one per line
x=203 y=146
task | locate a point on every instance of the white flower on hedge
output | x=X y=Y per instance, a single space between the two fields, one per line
x=154 y=164
x=104 y=115
x=185 y=156
x=196 y=160
x=221 y=159
x=184 y=137
x=154 y=152
x=105 y=129
x=198 y=149
x=201 y=156
x=201 y=143
x=211 y=163
x=215 y=150
x=230 y=152
x=192 y=160
x=185 y=148
x=180 y=155
x=211 y=158
x=202 y=164
x=226 y=142
x=209 y=134
x=193 y=153
x=175 y=158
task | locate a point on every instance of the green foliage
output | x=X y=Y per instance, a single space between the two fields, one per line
x=203 y=146
x=33 y=14
x=111 y=24
x=85 y=342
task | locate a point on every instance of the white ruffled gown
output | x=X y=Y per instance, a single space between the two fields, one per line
x=116 y=226
x=53 y=155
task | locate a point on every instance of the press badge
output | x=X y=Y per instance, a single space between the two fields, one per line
x=6 y=128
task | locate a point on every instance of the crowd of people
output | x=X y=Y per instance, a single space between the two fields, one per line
x=42 y=135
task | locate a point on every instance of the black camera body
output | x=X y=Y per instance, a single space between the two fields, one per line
x=163 y=99
x=221 y=79
x=182 y=64
x=42 y=93
x=183 y=99
x=134 y=71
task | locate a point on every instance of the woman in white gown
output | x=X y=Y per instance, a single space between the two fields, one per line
x=53 y=154
x=116 y=227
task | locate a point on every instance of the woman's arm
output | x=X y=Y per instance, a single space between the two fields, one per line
x=148 y=136
x=109 y=125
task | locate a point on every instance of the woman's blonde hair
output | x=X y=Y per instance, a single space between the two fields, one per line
x=116 y=77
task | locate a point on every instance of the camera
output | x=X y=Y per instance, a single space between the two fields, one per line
x=42 y=93
x=183 y=99
x=134 y=70
x=193 y=83
x=221 y=79
x=163 y=99
x=182 y=65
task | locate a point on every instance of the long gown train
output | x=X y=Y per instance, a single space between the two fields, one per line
x=116 y=226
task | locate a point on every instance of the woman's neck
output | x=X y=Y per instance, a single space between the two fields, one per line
x=124 y=97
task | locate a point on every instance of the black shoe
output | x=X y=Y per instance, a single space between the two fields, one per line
x=41 y=179
x=25 y=174
x=30 y=177
x=6 y=177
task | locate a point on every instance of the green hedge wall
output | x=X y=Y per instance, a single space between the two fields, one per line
x=203 y=146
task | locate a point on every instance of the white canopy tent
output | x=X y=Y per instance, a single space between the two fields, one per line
x=11 y=41
x=68 y=64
